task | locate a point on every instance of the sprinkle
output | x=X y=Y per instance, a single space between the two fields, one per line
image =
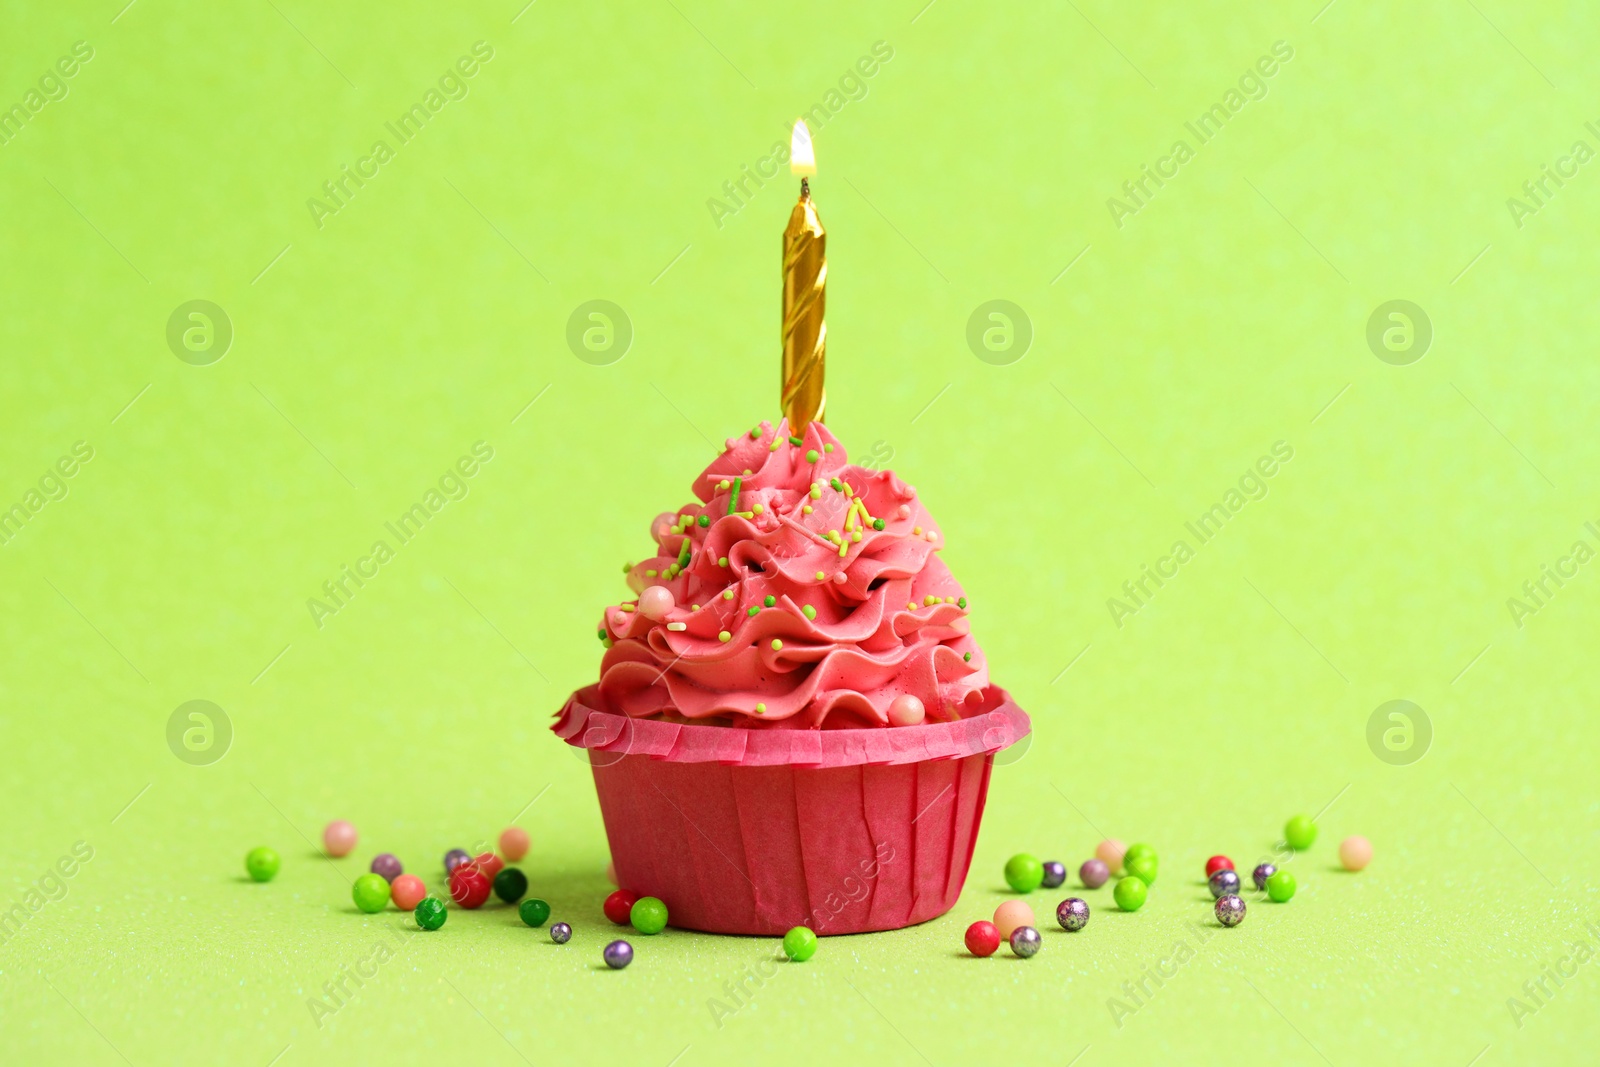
x=744 y=514
x=905 y=510
x=796 y=442
x=827 y=448
x=683 y=554
x=761 y=709
x=962 y=602
x=727 y=594
x=724 y=636
x=850 y=519
x=816 y=491
x=949 y=600
x=722 y=562
x=626 y=567
x=839 y=577
x=838 y=486
x=806 y=509
x=626 y=607
x=601 y=633
x=910 y=606
x=848 y=491
x=933 y=535
x=770 y=601
x=833 y=535
x=809 y=612
x=966 y=657
x=694 y=607
x=811 y=455
x=821 y=577
x=753 y=611
x=705 y=520
x=843 y=549
x=733 y=501
x=916 y=531
x=723 y=484
x=855 y=535
x=747 y=472
x=757 y=508
x=929 y=600
x=676 y=626
x=777 y=645
x=607 y=642
x=877 y=524
x=755 y=434
x=649 y=574
x=774 y=446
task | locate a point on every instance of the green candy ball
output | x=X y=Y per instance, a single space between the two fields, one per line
x=1024 y=873
x=1281 y=887
x=510 y=885
x=649 y=915
x=430 y=913
x=1137 y=849
x=262 y=863
x=1131 y=893
x=1300 y=832
x=534 y=911
x=800 y=944
x=370 y=892
x=1143 y=867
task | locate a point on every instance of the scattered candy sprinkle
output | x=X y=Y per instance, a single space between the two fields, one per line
x=455 y=858
x=1355 y=853
x=770 y=601
x=1110 y=853
x=1026 y=942
x=1073 y=914
x=561 y=933
x=1054 y=874
x=1094 y=873
x=407 y=891
x=370 y=892
x=724 y=636
x=1024 y=872
x=339 y=837
x=648 y=915
x=1229 y=910
x=1280 y=886
x=808 y=611
x=1300 y=832
x=534 y=911
x=811 y=455
x=619 y=906
x=800 y=944
x=510 y=885
x=1010 y=915
x=469 y=886
x=262 y=863
x=1218 y=863
x=619 y=954
x=1223 y=883
x=430 y=913
x=982 y=938
x=777 y=645
x=386 y=866
x=1262 y=873
x=1131 y=893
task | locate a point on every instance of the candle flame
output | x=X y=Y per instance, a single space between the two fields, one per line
x=802 y=156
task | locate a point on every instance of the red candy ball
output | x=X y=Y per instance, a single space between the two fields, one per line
x=489 y=864
x=469 y=886
x=1218 y=863
x=983 y=938
x=619 y=906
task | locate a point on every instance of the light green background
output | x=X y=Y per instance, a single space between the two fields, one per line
x=369 y=354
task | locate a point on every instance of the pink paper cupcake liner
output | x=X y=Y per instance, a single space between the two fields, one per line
x=758 y=831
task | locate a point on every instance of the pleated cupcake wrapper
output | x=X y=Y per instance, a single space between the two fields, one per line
x=757 y=831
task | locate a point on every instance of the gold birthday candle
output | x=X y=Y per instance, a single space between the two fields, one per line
x=805 y=279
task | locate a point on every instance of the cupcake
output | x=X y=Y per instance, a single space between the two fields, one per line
x=793 y=724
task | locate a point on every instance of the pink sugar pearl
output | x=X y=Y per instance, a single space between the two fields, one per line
x=1109 y=852
x=339 y=838
x=407 y=891
x=906 y=710
x=1355 y=853
x=1010 y=915
x=655 y=602
x=513 y=843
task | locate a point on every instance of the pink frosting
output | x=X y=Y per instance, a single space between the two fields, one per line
x=889 y=620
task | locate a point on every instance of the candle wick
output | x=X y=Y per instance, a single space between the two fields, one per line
x=805 y=188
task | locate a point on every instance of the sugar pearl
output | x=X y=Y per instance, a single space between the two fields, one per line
x=906 y=710
x=1026 y=942
x=339 y=838
x=655 y=602
x=1229 y=910
x=1109 y=852
x=1355 y=853
x=1073 y=914
x=1012 y=915
x=407 y=891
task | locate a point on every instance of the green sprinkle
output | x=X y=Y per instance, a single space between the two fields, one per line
x=755 y=434
x=816 y=491
x=966 y=657
x=683 y=554
x=649 y=574
x=601 y=633
x=727 y=594
x=877 y=524
x=705 y=520
x=796 y=442
x=961 y=603
x=827 y=448
x=776 y=644
x=838 y=486
x=811 y=455
x=770 y=601
x=724 y=636
x=733 y=500
x=626 y=567
x=723 y=562
x=809 y=612
x=760 y=708
x=754 y=611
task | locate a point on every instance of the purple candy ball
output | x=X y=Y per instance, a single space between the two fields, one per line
x=1072 y=914
x=1054 y=874
x=1262 y=873
x=386 y=864
x=1223 y=883
x=1026 y=942
x=561 y=933
x=455 y=858
x=1230 y=910
x=1094 y=874
x=618 y=955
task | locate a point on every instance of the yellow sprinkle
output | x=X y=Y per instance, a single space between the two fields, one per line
x=724 y=484
x=949 y=600
x=843 y=549
x=847 y=490
x=627 y=607
x=694 y=607
x=724 y=636
x=761 y=709
x=747 y=470
x=855 y=535
x=929 y=600
x=910 y=606
x=833 y=535
x=649 y=574
x=773 y=447
x=816 y=491
x=805 y=509
x=850 y=520
x=821 y=577
x=758 y=509
x=745 y=514
x=916 y=530
x=776 y=644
